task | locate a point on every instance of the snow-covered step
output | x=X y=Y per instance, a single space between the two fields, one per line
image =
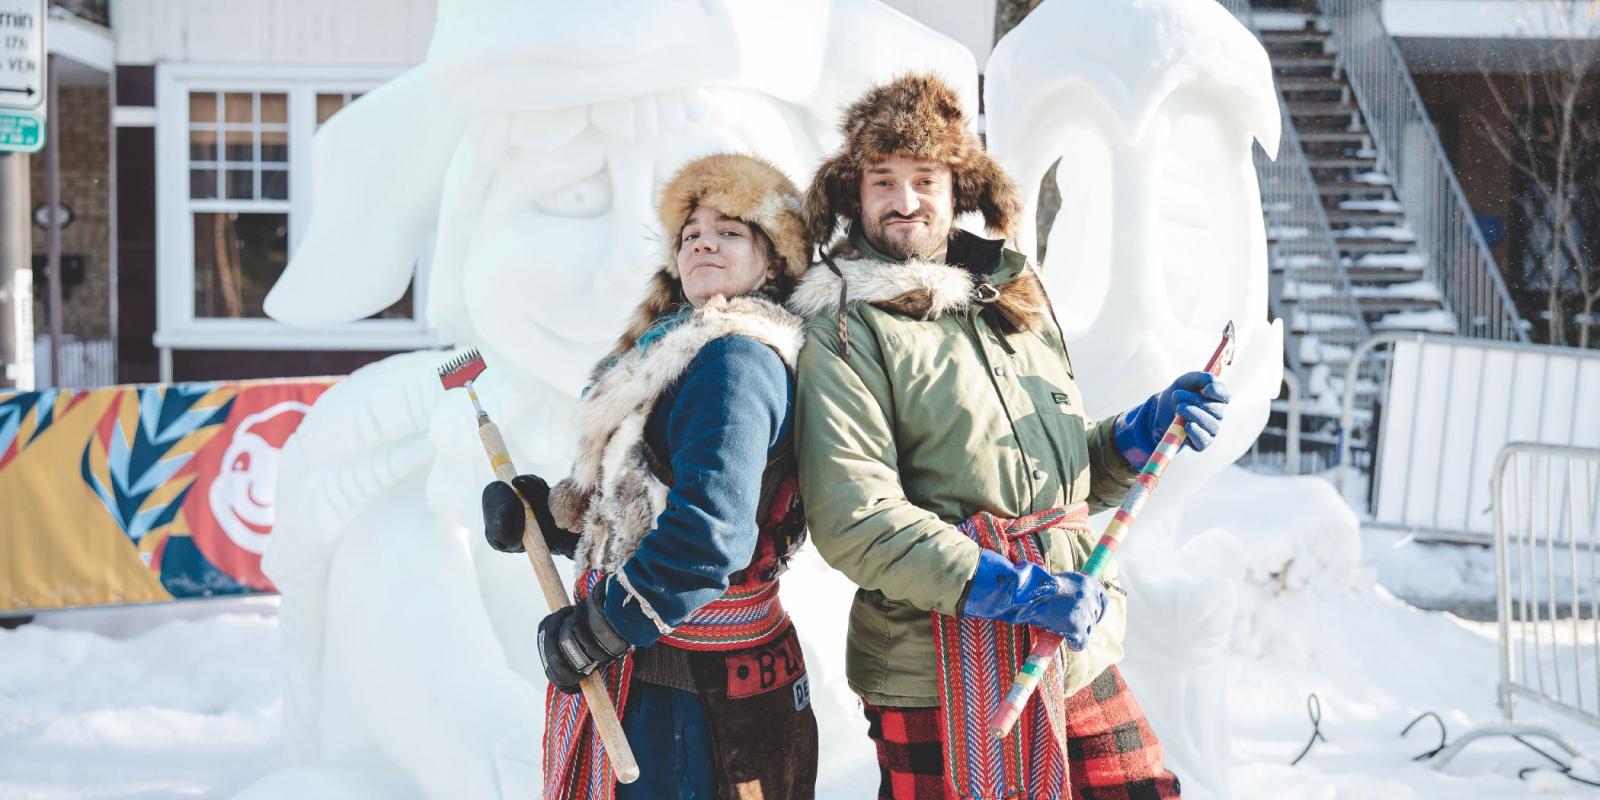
x=1430 y=321
x=1353 y=190
x=1275 y=20
x=1387 y=205
x=1337 y=216
x=1340 y=163
x=1310 y=83
x=1304 y=62
x=1337 y=137
x=1413 y=290
x=1322 y=108
x=1386 y=233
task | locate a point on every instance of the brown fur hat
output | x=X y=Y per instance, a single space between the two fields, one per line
x=743 y=187
x=918 y=116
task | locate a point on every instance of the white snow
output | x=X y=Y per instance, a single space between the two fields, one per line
x=1411 y=260
x=1373 y=178
x=1434 y=320
x=191 y=708
x=1371 y=205
x=1391 y=232
x=1283 y=21
x=1410 y=290
x=1322 y=322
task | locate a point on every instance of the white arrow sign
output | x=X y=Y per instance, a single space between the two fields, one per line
x=22 y=56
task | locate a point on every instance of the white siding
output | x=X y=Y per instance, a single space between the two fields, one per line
x=1493 y=19
x=280 y=32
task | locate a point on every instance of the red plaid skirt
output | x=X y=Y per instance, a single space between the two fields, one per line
x=1112 y=752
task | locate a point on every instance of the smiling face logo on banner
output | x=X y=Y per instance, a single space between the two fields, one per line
x=230 y=508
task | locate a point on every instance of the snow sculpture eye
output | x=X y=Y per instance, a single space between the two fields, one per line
x=581 y=199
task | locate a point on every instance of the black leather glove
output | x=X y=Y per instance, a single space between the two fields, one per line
x=577 y=640
x=502 y=516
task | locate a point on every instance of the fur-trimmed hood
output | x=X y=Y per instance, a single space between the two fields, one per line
x=613 y=496
x=924 y=289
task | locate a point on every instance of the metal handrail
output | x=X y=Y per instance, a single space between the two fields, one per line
x=1457 y=260
x=1289 y=197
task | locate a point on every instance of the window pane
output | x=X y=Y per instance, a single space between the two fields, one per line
x=202 y=184
x=275 y=108
x=240 y=107
x=275 y=146
x=328 y=104
x=203 y=145
x=237 y=258
x=202 y=107
x=274 y=184
x=239 y=146
x=240 y=184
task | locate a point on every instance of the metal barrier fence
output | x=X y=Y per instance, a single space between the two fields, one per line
x=84 y=364
x=1547 y=571
x=1458 y=260
x=1439 y=409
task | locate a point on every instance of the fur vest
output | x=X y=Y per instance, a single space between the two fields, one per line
x=616 y=491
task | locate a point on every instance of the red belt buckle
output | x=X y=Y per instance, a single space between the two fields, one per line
x=753 y=672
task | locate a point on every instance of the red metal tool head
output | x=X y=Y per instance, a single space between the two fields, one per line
x=462 y=369
x=1223 y=355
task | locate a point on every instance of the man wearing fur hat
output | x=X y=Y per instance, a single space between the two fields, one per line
x=949 y=470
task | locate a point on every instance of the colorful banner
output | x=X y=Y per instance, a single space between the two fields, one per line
x=141 y=493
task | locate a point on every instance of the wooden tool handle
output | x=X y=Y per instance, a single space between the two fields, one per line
x=601 y=709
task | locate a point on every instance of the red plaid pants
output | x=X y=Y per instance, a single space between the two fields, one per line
x=1112 y=752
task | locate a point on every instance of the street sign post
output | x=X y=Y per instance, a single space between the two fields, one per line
x=22 y=76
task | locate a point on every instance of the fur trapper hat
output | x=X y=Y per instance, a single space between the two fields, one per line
x=744 y=187
x=918 y=116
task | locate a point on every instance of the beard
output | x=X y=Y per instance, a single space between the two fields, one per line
x=922 y=241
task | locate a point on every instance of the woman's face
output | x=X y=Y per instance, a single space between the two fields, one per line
x=718 y=254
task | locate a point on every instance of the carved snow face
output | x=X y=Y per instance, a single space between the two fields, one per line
x=554 y=233
x=1159 y=240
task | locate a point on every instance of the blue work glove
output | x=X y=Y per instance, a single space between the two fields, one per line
x=1197 y=396
x=1068 y=603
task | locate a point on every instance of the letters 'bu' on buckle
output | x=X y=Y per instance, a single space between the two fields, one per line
x=985 y=293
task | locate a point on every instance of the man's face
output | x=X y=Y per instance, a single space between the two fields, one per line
x=907 y=207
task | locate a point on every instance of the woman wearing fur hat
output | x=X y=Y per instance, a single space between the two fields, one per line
x=681 y=511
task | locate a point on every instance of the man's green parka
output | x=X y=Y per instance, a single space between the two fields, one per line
x=949 y=392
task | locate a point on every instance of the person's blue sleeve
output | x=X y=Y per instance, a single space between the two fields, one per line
x=731 y=409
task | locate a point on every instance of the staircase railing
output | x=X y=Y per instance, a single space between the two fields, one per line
x=1304 y=240
x=1457 y=259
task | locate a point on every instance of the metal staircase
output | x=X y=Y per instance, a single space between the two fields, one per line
x=1354 y=251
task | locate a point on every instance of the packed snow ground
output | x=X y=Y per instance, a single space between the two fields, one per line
x=137 y=704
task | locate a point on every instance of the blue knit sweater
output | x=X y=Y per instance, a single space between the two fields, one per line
x=717 y=425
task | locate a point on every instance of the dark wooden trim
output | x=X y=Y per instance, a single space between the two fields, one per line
x=223 y=365
x=137 y=358
x=136 y=85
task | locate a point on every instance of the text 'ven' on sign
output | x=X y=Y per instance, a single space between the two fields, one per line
x=22 y=75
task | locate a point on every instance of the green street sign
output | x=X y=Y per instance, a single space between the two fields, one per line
x=21 y=132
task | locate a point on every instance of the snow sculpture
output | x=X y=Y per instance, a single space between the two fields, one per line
x=526 y=152
x=1151 y=107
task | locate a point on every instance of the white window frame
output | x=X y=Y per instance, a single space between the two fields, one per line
x=177 y=327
